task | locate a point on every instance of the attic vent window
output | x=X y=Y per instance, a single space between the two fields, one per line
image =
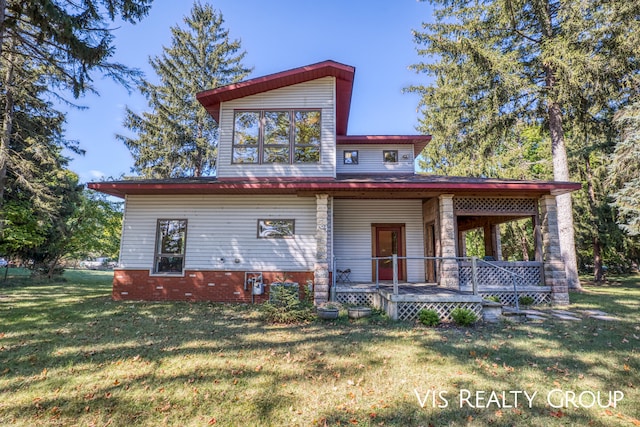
x=276 y=136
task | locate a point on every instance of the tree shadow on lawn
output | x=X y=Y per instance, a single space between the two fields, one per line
x=50 y=337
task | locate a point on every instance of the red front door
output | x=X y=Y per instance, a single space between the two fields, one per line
x=389 y=242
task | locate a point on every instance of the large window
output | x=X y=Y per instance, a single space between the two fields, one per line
x=170 y=244
x=276 y=136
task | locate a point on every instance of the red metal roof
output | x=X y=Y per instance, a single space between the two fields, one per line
x=394 y=183
x=211 y=99
x=418 y=141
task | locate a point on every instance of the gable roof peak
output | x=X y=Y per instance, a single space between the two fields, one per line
x=344 y=74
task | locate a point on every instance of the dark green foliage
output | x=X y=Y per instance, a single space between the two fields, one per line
x=178 y=137
x=429 y=317
x=525 y=300
x=520 y=83
x=624 y=170
x=286 y=306
x=64 y=43
x=464 y=317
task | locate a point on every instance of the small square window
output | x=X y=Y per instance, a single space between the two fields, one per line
x=390 y=156
x=350 y=157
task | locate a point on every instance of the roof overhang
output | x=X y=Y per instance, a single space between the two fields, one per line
x=418 y=141
x=373 y=187
x=344 y=74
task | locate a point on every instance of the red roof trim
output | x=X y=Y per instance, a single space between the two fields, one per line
x=418 y=141
x=344 y=74
x=120 y=189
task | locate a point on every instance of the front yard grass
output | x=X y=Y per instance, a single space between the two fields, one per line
x=71 y=356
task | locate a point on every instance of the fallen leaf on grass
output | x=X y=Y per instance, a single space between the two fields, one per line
x=557 y=414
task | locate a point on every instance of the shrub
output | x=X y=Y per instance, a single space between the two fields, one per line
x=285 y=306
x=494 y=298
x=429 y=317
x=525 y=300
x=464 y=317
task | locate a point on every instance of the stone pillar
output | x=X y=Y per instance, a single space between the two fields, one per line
x=554 y=272
x=321 y=266
x=449 y=277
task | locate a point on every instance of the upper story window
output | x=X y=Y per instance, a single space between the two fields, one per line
x=390 y=156
x=350 y=157
x=276 y=136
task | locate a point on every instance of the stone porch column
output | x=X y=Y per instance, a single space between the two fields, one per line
x=321 y=266
x=554 y=272
x=449 y=277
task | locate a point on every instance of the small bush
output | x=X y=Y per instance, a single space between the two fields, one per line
x=494 y=298
x=429 y=317
x=285 y=306
x=464 y=317
x=525 y=300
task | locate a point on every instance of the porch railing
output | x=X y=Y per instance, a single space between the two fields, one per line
x=472 y=271
x=395 y=264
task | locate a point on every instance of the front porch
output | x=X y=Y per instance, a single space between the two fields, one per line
x=479 y=279
x=421 y=246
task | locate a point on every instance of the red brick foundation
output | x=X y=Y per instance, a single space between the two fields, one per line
x=220 y=286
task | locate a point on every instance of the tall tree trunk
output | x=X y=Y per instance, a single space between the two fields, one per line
x=598 y=270
x=7 y=125
x=559 y=157
x=565 y=205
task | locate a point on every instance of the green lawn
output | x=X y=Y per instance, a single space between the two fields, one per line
x=71 y=356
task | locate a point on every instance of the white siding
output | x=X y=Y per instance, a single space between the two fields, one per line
x=316 y=94
x=352 y=233
x=222 y=227
x=370 y=159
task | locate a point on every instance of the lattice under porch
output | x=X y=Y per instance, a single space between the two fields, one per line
x=540 y=294
x=411 y=298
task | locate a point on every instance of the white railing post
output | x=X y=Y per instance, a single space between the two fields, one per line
x=474 y=274
x=332 y=294
x=394 y=259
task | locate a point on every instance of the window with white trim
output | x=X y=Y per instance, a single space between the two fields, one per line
x=171 y=235
x=276 y=136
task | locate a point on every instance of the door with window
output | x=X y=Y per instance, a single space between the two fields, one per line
x=388 y=240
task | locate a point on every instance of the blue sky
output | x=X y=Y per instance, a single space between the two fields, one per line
x=374 y=36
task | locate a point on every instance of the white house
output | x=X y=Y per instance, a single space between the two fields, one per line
x=296 y=197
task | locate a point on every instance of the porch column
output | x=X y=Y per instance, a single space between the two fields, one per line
x=321 y=266
x=449 y=277
x=497 y=242
x=554 y=272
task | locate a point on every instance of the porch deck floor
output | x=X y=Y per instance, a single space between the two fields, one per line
x=404 y=288
x=410 y=292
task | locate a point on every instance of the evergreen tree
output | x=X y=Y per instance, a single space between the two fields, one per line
x=501 y=64
x=625 y=169
x=66 y=42
x=177 y=137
